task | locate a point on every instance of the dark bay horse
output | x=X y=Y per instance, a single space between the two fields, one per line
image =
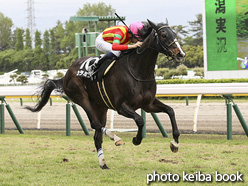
x=130 y=84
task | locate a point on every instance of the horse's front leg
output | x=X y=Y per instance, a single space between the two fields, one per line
x=98 y=144
x=158 y=106
x=130 y=113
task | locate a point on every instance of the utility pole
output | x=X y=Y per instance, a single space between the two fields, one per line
x=31 y=17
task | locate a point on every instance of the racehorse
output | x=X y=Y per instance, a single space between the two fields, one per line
x=130 y=84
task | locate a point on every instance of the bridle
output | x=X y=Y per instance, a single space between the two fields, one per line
x=159 y=46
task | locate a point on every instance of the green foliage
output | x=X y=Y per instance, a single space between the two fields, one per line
x=52 y=50
x=196 y=28
x=173 y=72
x=19 y=39
x=13 y=78
x=45 y=76
x=6 y=60
x=163 y=72
x=5 y=32
x=194 y=56
x=182 y=69
x=68 y=41
x=59 y=75
x=37 y=39
x=40 y=61
x=46 y=46
x=28 y=40
x=96 y=9
x=22 y=78
x=190 y=81
x=199 y=71
x=168 y=73
x=180 y=32
x=242 y=25
x=164 y=62
x=56 y=47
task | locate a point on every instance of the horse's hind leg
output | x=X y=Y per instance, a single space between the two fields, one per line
x=97 y=125
x=158 y=106
x=127 y=112
x=118 y=141
x=96 y=121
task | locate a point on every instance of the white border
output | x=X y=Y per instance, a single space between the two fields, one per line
x=217 y=74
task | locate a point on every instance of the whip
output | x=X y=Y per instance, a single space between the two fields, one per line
x=133 y=35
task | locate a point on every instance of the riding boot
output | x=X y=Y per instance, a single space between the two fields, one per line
x=109 y=55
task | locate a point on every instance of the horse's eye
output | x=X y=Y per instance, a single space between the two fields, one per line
x=163 y=35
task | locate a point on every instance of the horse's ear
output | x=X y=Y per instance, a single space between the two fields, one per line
x=166 y=22
x=153 y=25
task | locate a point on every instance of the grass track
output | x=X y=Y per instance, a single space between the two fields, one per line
x=51 y=158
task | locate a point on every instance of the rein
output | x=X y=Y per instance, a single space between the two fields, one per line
x=157 y=43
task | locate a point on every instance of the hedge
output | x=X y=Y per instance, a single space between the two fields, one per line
x=194 y=81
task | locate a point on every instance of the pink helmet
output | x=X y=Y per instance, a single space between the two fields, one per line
x=135 y=26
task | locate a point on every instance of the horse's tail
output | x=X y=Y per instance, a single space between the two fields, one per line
x=46 y=91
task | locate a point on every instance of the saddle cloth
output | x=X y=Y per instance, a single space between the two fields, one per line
x=86 y=70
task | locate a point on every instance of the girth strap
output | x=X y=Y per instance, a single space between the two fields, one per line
x=104 y=95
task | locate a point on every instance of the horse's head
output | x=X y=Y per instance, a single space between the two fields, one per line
x=166 y=42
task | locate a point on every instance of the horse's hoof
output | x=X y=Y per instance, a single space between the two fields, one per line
x=119 y=143
x=104 y=166
x=136 y=142
x=174 y=146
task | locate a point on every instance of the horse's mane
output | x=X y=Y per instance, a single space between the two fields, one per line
x=145 y=31
x=143 y=34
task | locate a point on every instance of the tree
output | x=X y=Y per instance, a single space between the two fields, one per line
x=180 y=32
x=23 y=79
x=59 y=33
x=194 y=56
x=6 y=60
x=182 y=69
x=5 y=32
x=39 y=56
x=97 y=9
x=242 y=25
x=52 y=50
x=68 y=41
x=165 y=62
x=13 y=77
x=196 y=29
x=37 y=39
x=46 y=48
x=28 y=58
x=19 y=39
x=59 y=75
x=28 y=40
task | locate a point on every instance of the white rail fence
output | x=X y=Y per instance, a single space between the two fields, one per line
x=163 y=90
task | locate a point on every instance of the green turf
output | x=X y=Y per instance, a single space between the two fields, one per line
x=51 y=158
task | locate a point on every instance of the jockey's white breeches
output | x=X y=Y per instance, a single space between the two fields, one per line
x=105 y=47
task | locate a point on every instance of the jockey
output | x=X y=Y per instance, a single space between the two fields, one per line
x=117 y=38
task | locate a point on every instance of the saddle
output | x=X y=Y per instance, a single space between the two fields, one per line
x=87 y=69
